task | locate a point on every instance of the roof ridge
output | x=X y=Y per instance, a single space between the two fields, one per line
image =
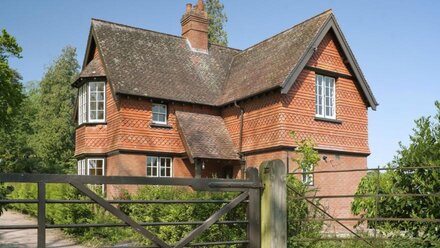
x=288 y=29
x=138 y=28
x=160 y=33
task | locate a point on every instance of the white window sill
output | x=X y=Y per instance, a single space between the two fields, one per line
x=318 y=118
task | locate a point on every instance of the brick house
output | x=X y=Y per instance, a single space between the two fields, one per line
x=158 y=105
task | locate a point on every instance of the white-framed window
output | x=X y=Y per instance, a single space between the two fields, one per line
x=159 y=166
x=159 y=113
x=82 y=104
x=307 y=177
x=325 y=97
x=92 y=167
x=91 y=102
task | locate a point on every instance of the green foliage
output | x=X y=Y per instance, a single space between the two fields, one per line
x=10 y=93
x=217 y=19
x=4 y=192
x=89 y=213
x=16 y=153
x=424 y=150
x=185 y=212
x=303 y=219
x=41 y=138
x=308 y=157
x=53 y=140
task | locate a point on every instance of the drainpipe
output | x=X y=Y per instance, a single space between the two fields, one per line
x=240 y=141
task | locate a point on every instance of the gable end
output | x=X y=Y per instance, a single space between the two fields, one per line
x=331 y=24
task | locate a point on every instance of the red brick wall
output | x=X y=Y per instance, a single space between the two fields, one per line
x=129 y=128
x=269 y=119
x=136 y=165
x=298 y=112
x=326 y=184
x=261 y=122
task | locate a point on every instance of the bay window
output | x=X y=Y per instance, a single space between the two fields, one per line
x=91 y=103
x=92 y=167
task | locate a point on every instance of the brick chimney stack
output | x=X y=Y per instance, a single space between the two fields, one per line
x=195 y=26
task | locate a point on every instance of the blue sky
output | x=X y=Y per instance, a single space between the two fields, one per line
x=395 y=43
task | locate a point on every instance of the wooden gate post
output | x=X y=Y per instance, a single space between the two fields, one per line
x=273 y=204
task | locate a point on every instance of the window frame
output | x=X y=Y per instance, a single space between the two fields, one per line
x=159 y=113
x=84 y=170
x=84 y=103
x=159 y=166
x=309 y=178
x=321 y=95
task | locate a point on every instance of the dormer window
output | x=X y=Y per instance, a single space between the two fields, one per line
x=325 y=97
x=91 y=103
x=159 y=113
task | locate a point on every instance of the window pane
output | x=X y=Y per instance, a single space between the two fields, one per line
x=155 y=117
x=92 y=164
x=319 y=96
x=100 y=115
x=163 y=109
x=152 y=166
x=83 y=167
x=161 y=118
x=100 y=86
x=155 y=108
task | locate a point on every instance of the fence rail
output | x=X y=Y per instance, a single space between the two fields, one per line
x=249 y=194
x=377 y=195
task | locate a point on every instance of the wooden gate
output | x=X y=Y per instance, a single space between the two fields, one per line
x=249 y=192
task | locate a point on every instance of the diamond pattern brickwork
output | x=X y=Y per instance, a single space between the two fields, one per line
x=328 y=56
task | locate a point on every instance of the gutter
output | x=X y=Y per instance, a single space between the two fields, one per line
x=240 y=141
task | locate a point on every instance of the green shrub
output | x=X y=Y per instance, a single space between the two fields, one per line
x=90 y=213
x=184 y=213
x=303 y=220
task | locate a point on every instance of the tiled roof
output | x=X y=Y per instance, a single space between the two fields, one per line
x=93 y=69
x=146 y=63
x=205 y=136
x=267 y=64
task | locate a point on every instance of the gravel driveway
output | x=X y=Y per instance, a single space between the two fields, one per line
x=28 y=237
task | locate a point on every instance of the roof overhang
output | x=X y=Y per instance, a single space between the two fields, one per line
x=331 y=24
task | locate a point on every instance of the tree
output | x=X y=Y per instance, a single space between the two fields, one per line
x=11 y=88
x=423 y=150
x=10 y=94
x=217 y=19
x=16 y=153
x=54 y=127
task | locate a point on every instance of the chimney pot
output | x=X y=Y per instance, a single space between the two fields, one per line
x=200 y=5
x=188 y=7
x=195 y=26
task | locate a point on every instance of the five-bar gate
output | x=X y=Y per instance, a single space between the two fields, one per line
x=249 y=192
